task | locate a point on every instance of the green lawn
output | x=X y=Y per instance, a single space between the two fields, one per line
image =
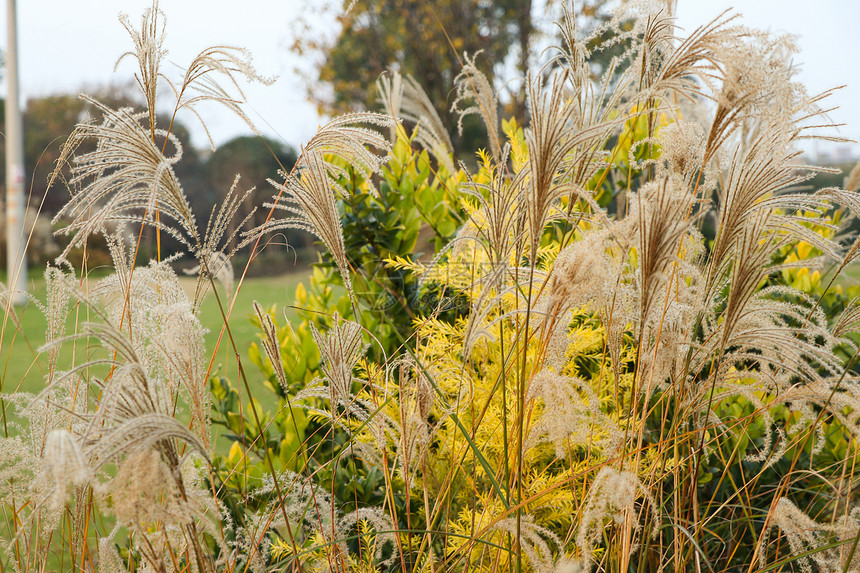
x=22 y=367
x=851 y=275
x=267 y=291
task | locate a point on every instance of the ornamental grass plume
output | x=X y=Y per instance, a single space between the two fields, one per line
x=813 y=541
x=403 y=97
x=621 y=353
x=309 y=197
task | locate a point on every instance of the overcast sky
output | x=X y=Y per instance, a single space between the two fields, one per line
x=65 y=45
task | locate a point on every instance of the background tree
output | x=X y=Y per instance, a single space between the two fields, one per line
x=422 y=38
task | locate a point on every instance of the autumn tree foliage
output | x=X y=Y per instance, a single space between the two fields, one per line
x=428 y=40
x=425 y=39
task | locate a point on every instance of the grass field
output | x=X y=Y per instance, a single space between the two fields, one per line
x=22 y=367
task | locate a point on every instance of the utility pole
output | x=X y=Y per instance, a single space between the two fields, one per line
x=16 y=256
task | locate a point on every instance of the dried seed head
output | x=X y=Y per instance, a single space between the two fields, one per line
x=571 y=415
x=809 y=540
x=340 y=348
x=612 y=495
x=66 y=465
x=145 y=491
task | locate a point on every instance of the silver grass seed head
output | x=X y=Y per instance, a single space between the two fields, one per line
x=125 y=175
x=403 y=97
x=65 y=463
x=340 y=347
x=571 y=415
x=537 y=542
x=612 y=495
x=145 y=491
x=473 y=87
x=581 y=270
x=809 y=540
x=109 y=559
x=682 y=148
